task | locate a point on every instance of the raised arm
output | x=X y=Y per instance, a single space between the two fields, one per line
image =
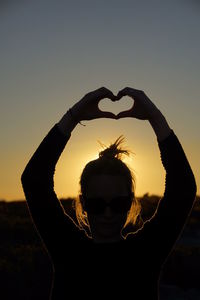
x=37 y=179
x=179 y=195
x=180 y=187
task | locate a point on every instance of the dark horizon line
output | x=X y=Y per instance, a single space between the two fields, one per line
x=70 y=197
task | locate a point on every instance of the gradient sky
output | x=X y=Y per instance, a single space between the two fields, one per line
x=54 y=52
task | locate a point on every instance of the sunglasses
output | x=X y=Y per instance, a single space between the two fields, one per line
x=119 y=204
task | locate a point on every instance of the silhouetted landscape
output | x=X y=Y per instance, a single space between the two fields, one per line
x=25 y=267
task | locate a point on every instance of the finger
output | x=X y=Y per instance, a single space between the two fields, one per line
x=124 y=114
x=102 y=93
x=109 y=95
x=106 y=93
x=123 y=92
x=98 y=93
x=107 y=114
x=128 y=92
x=113 y=98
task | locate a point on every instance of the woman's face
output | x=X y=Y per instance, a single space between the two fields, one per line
x=107 y=221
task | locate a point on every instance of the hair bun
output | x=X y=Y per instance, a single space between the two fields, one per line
x=114 y=151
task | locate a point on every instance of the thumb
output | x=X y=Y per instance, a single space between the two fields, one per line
x=107 y=114
x=123 y=114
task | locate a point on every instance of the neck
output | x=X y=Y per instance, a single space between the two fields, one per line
x=108 y=240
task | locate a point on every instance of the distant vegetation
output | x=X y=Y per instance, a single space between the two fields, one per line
x=25 y=268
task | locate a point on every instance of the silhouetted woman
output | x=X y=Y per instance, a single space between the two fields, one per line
x=108 y=264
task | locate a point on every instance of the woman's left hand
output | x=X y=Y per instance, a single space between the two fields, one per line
x=143 y=108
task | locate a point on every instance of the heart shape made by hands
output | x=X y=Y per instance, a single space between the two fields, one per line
x=124 y=104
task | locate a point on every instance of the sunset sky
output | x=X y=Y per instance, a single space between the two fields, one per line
x=54 y=52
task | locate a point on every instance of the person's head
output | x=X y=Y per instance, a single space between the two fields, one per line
x=107 y=201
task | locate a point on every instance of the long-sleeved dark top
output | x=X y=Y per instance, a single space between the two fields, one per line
x=130 y=268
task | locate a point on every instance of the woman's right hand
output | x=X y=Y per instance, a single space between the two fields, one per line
x=87 y=108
